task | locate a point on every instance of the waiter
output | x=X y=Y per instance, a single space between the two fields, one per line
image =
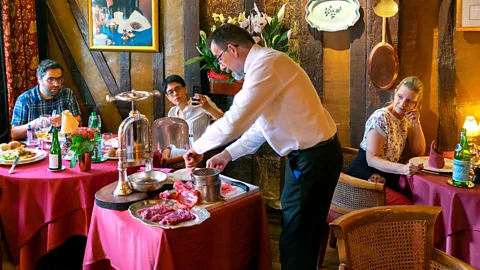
x=279 y=105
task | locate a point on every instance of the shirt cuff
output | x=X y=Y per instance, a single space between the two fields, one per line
x=235 y=151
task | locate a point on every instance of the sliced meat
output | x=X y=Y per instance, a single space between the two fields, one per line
x=177 y=217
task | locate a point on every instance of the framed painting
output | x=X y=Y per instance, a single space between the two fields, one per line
x=123 y=25
x=468 y=15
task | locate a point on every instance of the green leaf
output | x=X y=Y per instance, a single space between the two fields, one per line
x=194 y=60
x=231 y=80
x=282 y=38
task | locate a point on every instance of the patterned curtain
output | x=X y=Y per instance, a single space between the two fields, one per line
x=20 y=45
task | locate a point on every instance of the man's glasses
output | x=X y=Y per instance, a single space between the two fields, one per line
x=219 y=57
x=52 y=80
x=170 y=92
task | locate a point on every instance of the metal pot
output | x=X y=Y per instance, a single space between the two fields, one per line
x=147 y=181
x=207 y=182
x=205 y=176
x=209 y=193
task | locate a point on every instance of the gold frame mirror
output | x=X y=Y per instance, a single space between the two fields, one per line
x=123 y=25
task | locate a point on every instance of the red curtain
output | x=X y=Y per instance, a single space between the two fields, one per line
x=21 y=48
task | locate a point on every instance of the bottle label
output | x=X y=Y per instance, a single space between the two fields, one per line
x=53 y=161
x=461 y=170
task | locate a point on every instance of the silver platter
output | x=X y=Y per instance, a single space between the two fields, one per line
x=201 y=214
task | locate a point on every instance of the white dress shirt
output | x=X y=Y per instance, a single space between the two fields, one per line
x=277 y=104
x=197 y=119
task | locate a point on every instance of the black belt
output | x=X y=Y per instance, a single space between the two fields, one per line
x=322 y=143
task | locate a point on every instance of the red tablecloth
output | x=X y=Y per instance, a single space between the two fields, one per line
x=234 y=237
x=457 y=230
x=40 y=209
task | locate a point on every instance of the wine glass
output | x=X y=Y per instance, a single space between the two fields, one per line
x=42 y=126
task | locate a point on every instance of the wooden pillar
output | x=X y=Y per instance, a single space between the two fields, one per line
x=447 y=125
x=191 y=14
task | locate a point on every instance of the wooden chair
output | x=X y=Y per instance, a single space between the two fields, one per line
x=391 y=237
x=350 y=194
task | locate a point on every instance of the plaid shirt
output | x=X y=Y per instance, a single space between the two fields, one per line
x=30 y=105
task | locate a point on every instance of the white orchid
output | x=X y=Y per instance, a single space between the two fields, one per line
x=289 y=33
x=281 y=13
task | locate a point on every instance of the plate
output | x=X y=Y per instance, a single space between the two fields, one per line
x=470 y=184
x=180 y=175
x=40 y=154
x=99 y=161
x=332 y=15
x=448 y=168
x=107 y=157
x=201 y=214
x=57 y=170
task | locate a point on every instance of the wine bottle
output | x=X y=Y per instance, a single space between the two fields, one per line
x=55 y=158
x=461 y=162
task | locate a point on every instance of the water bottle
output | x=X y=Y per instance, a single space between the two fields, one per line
x=461 y=162
x=29 y=135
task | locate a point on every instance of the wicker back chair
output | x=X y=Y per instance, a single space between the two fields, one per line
x=391 y=237
x=348 y=156
x=350 y=194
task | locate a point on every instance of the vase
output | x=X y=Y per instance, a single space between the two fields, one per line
x=85 y=161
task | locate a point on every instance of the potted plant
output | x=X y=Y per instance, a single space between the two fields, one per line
x=84 y=141
x=265 y=30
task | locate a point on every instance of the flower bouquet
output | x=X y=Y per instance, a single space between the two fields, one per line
x=84 y=142
x=265 y=31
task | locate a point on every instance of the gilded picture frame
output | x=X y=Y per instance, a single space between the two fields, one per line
x=468 y=15
x=123 y=25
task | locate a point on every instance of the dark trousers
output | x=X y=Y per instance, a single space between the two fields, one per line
x=310 y=179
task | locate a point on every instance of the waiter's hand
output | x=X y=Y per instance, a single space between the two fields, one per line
x=192 y=158
x=219 y=161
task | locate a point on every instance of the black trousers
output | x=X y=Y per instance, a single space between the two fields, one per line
x=310 y=179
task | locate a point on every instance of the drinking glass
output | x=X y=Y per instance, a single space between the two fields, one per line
x=105 y=138
x=42 y=126
x=99 y=121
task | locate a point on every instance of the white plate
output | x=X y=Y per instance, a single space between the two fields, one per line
x=332 y=15
x=201 y=214
x=180 y=175
x=446 y=169
x=106 y=156
x=40 y=154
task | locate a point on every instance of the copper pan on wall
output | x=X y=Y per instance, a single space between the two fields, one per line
x=383 y=62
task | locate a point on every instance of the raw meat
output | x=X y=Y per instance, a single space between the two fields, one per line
x=186 y=194
x=151 y=212
x=227 y=188
x=176 y=217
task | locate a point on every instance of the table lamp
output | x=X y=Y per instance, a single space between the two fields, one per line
x=472 y=131
x=69 y=124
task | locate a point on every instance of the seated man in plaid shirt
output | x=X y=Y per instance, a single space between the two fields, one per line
x=48 y=96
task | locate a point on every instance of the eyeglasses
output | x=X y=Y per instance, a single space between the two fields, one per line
x=219 y=57
x=51 y=80
x=174 y=90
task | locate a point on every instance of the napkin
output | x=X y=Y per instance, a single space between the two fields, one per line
x=435 y=160
x=138 y=20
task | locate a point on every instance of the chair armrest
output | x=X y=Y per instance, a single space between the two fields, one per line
x=440 y=258
x=342 y=266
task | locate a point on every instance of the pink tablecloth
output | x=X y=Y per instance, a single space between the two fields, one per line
x=234 y=237
x=41 y=209
x=457 y=230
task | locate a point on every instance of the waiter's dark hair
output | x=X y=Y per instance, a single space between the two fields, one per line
x=230 y=34
x=46 y=65
x=170 y=79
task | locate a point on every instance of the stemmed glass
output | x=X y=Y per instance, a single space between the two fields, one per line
x=42 y=126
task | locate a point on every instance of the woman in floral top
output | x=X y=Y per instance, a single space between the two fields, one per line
x=387 y=131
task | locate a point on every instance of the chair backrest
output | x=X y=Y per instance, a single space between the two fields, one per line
x=352 y=194
x=386 y=237
x=348 y=156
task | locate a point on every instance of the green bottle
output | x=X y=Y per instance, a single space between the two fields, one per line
x=461 y=162
x=55 y=158
x=93 y=120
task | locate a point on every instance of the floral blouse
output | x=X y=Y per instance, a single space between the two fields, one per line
x=393 y=129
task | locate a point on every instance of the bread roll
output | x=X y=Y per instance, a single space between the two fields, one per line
x=5 y=147
x=14 y=144
x=111 y=152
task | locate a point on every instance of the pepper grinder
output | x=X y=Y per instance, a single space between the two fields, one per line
x=476 y=175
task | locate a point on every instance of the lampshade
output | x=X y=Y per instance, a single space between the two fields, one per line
x=69 y=123
x=471 y=126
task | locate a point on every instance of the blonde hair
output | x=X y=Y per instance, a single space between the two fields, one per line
x=412 y=83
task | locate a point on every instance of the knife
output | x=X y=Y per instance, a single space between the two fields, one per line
x=14 y=164
x=236 y=184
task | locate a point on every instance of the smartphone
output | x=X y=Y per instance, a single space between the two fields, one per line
x=196 y=90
